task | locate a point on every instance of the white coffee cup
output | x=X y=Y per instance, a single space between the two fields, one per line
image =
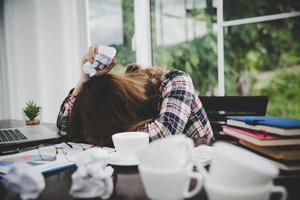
x=171 y=184
x=168 y=153
x=128 y=143
x=262 y=192
x=237 y=167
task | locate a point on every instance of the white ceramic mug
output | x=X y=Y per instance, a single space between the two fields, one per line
x=171 y=184
x=262 y=192
x=237 y=167
x=168 y=153
x=128 y=143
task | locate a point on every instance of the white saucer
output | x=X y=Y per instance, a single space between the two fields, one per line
x=115 y=159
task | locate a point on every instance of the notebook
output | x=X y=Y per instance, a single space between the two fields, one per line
x=260 y=138
x=276 y=125
x=26 y=134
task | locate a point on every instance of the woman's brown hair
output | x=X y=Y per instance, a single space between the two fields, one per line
x=115 y=103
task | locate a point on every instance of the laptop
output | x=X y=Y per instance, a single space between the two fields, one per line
x=26 y=134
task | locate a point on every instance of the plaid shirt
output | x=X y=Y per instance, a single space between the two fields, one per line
x=64 y=114
x=180 y=110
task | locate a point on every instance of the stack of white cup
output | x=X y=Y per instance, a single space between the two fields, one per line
x=166 y=168
x=236 y=174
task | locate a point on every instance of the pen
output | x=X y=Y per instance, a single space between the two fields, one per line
x=68 y=144
x=11 y=151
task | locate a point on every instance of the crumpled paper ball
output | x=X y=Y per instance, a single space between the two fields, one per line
x=90 y=68
x=24 y=180
x=103 y=59
x=93 y=177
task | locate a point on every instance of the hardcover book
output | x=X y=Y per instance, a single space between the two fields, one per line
x=293 y=165
x=260 y=138
x=275 y=125
x=280 y=153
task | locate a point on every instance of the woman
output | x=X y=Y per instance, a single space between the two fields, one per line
x=151 y=100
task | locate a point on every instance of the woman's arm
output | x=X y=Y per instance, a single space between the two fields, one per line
x=181 y=109
x=66 y=107
x=65 y=113
x=177 y=95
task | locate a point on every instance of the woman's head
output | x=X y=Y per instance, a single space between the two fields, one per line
x=114 y=103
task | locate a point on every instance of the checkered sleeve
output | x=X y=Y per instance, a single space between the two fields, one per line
x=177 y=96
x=65 y=112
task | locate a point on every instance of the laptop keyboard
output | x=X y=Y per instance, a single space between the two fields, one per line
x=11 y=135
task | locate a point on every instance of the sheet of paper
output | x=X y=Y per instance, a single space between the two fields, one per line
x=34 y=159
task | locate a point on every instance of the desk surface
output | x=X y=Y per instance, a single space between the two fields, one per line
x=127 y=181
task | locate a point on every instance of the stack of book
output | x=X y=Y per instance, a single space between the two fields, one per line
x=276 y=138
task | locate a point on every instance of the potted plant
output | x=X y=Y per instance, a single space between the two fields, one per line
x=31 y=112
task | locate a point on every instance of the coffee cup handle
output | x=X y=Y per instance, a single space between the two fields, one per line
x=202 y=170
x=197 y=188
x=281 y=190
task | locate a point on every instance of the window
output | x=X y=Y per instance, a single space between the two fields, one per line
x=183 y=37
x=111 y=23
x=261 y=57
x=264 y=58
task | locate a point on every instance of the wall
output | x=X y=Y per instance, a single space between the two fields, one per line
x=45 y=41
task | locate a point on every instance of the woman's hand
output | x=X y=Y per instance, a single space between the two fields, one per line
x=108 y=68
x=89 y=57
x=93 y=51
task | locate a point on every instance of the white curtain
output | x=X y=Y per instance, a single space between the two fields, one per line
x=43 y=42
x=4 y=97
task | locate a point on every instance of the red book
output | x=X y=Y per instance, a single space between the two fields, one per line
x=260 y=138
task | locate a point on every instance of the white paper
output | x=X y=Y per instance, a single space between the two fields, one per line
x=33 y=159
x=89 y=68
x=24 y=180
x=102 y=59
x=93 y=178
x=108 y=51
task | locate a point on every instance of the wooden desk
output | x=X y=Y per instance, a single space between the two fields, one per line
x=127 y=182
x=127 y=185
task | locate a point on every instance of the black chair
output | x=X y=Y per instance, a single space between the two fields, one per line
x=218 y=107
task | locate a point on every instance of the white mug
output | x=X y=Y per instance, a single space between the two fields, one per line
x=171 y=184
x=237 y=167
x=172 y=152
x=128 y=143
x=217 y=192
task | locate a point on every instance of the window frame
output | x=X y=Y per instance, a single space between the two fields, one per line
x=142 y=36
x=221 y=24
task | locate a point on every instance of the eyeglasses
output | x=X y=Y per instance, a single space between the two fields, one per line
x=49 y=152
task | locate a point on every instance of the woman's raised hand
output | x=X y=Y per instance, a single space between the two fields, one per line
x=90 y=56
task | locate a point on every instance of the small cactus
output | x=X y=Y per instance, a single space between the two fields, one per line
x=31 y=111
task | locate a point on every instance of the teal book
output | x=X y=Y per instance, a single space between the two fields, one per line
x=275 y=125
